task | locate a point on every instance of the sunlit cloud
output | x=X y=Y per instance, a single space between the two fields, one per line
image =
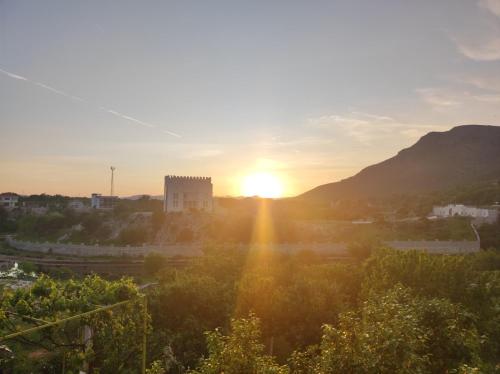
x=365 y=127
x=484 y=46
x=472 y=91
x=491 y=5
x=487 y=49
x=439 y=97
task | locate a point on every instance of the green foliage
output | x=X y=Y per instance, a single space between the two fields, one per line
x=239 y=352
x=183 y=307
x=51 y=300
x=393 y=312
x=398 y=333
x=46 y=227
x=460 y=279
x=133 y=235
x=156 y=368
x=490 y=235
x=185 y=235
x=6 y=224
x=154 y=262
x=157 y=220
x=28 y=267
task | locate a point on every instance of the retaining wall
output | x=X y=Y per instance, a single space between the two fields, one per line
x=437 y=246
x=167 y=250
x=447 y=247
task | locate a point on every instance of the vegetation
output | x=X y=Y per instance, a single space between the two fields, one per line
x=236 y=311
x=50 y=300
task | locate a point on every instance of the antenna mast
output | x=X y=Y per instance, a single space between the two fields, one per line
x=112 y=179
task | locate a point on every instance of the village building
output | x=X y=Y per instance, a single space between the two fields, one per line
x=98 y=201
x=480 y=215
x=184 y=194
x=9 y=200
x=78 y=205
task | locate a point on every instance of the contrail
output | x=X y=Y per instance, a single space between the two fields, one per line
x=15 y=76
x=59 y=92
x=77 y=98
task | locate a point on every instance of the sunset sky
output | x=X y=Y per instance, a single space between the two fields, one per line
x=309 y=91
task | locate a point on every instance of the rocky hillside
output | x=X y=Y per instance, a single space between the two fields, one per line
x=439 y=160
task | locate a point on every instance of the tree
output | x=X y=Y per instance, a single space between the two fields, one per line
x=153 y=262
x=237 y=353
x=116 y=343
x=398 y=333
x=183 y=307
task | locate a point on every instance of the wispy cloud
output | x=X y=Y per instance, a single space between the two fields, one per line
x=487 y=49
x=484 y=46
x=491 y=5
x=367 y=127
x=77 y=98
x=439 y=98
x=466 y=93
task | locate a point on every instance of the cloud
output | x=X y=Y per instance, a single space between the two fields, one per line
x=491 y=5
x=77 y=98
x=485 y=45
x=487 y=98
x=367 y=127
x=439 y=97
x=487 y=49
x=465 y=93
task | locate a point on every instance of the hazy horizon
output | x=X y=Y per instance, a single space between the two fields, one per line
x=310 y=94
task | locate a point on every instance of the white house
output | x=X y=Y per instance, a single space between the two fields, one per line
x=98 y=201
x=452 y=210
x=9 y=200
x=77 y=205
x=183 y=194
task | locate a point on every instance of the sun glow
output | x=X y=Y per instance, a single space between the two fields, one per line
x=262 y=185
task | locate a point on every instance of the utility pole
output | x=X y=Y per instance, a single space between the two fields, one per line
x=112 y=180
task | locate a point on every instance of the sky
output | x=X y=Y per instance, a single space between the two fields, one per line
x=310 y=91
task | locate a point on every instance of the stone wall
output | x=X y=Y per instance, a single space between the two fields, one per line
x=89 y=250
x=437 y=246
x=332 y=249
x=167 y=250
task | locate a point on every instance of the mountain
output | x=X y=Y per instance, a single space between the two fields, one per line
x=439 y=160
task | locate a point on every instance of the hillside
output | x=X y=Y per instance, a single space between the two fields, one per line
x=439 y=160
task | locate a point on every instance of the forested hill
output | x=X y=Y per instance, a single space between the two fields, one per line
x=439 y=160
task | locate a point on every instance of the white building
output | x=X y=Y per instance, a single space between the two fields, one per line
x=77 y=205
x=99 y=201
x=452 y=210
x=9 y=200
x=183 y=194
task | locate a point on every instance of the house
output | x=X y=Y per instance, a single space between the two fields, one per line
x=480 y=215
x=99 y=201
x=184 y=194
x=77 y=205
x=9 y=200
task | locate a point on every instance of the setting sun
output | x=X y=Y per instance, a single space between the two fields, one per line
x=262 y=185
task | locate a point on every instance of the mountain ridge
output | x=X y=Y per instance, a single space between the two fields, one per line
x=437 y=161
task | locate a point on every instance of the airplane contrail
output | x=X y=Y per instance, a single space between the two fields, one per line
x=77 y=98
